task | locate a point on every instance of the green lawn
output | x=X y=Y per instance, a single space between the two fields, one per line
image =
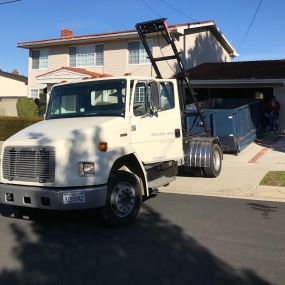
x=274 y=178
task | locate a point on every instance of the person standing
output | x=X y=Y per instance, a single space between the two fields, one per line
x=273 y=108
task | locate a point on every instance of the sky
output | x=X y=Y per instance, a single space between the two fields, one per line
x=29 y=20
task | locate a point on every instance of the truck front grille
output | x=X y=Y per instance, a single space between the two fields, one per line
x=33 y=164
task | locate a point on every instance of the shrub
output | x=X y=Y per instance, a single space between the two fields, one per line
x=42 y=103
x=26 y=107
x=11 y=125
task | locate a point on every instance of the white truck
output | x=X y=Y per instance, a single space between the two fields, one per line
x=104 y=143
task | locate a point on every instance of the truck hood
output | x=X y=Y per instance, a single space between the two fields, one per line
x=76 y=140
x=49 y=132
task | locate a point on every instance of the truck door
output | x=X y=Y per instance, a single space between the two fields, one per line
x=156 y=136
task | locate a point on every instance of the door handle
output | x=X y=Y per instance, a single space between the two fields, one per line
x=177 y=133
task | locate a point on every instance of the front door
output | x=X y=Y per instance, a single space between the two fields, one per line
x=156 y=137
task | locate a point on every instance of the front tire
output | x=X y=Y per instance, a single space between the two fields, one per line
x=215 y=162
x=124 y=198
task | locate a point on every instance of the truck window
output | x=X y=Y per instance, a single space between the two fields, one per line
x=105 y=97
x=166 y=96
x=140 y=100
x=93 y=98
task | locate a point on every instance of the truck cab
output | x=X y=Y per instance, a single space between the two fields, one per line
x=114 y=133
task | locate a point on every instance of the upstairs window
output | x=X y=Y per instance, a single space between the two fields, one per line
x=84 y=56
x=137 y=53
x=40 y=59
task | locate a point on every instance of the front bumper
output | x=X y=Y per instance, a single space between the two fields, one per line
x=51 y=198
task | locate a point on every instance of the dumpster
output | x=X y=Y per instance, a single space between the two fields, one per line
x=237 y=122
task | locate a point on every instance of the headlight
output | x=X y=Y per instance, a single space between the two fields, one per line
x=86 y=168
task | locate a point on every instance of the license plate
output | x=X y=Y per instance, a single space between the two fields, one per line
x=74 y=198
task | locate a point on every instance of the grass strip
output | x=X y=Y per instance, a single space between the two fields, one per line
x=274 y=178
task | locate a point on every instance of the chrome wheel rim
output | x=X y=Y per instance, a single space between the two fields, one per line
x=216 y=160
x=123 y=199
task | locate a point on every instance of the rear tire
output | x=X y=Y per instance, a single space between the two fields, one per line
x=215 y=162
x=123 y=200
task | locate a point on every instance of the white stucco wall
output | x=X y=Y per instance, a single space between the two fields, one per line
x=8 y=107
x=10 y=91
x=12 y=88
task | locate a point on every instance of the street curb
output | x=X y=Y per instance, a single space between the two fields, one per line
x=232 y=196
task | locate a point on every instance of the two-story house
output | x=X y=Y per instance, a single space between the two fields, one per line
x=71 y=57
x=12 y=87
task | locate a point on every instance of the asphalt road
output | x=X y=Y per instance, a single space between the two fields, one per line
x=178 y=239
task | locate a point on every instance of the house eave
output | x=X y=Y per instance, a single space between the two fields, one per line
x=74 y=40
x=218 y=33
x=237 y=83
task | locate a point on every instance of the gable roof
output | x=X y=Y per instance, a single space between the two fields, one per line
x=125 y=34
x=14 y=76
x=264 y=69
x=77 y=70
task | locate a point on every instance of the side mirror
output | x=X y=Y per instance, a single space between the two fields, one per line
x=154 y=96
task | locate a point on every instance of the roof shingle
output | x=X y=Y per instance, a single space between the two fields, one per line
x=78 y=70
x=264 y=69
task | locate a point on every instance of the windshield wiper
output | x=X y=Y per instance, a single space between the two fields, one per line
x=101 y=114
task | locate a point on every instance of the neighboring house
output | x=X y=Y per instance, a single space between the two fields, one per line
x=118 y=53
x=249 y=79
x=12 y=87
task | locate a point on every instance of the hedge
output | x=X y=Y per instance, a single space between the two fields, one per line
x=11 y=125
x=26 y=107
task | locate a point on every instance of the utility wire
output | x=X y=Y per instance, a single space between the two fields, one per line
x=149 y=7
x=250 y=25
x=177 y=11
x=8 y=2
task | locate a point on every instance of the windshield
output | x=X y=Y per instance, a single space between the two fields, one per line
x=96 y=98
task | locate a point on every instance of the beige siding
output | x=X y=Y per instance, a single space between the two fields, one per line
x=203 y=47
x=196 y=48
x=115 y=57
x=10 y=91
x=146 y=69
x=57 y=57
x=12 y=88
x=8 y=107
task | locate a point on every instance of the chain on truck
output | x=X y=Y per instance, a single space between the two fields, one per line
x=106 y=142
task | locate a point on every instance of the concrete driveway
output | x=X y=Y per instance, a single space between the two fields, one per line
x=240 y=174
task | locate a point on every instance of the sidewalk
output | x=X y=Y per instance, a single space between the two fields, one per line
x=240 y=175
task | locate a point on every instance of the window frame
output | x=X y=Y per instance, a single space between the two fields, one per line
x=41 y=58
x=39 y=91
x=141 y=49
x=34 y=89
x=94 y=47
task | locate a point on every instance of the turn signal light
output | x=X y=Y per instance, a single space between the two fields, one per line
x=103 y=146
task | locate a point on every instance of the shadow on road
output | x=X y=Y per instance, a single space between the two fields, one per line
x=265 y=210
x=73 y=248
